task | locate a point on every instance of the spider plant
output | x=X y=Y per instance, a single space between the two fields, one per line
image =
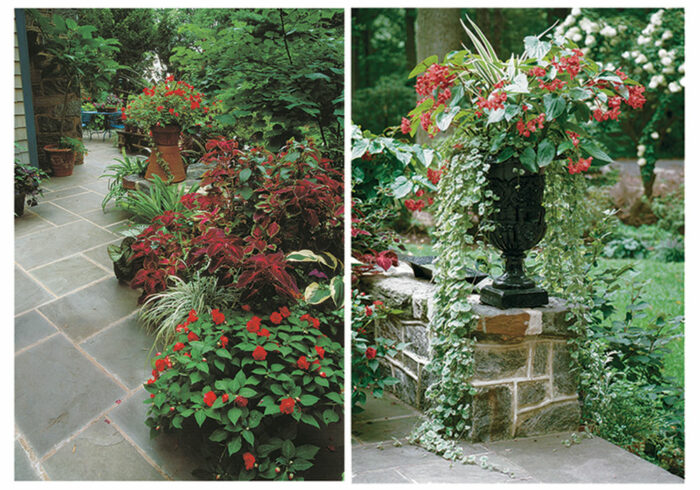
x=163 y=312
x=160 y=198
x=116 y=171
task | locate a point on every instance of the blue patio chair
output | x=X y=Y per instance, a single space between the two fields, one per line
x=114 y=121
x=85 y=119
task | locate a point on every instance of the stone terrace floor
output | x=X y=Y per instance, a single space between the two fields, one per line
x=381 y=454
x=80 y=354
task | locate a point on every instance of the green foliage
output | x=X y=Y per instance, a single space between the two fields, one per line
x=74 y=144
x=274 y=69
x=247 y=390
x=74 y=56
x=368 y=350
x=28 y=180
x=669 y=209
x=383 y=104
x=161 y=197
x=163 y=312
x=646 y=241
x=115 y=172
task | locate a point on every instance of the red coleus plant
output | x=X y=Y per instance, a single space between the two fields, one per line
x=257 y=206
x=247 y=396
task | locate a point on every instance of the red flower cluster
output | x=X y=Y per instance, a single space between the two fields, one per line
x=259 y=354
x=314 y=322
x=495 y=101
x=555 y=84
x=287 y=406
x=434 y=176
x=582 y=165
x=217 y=317
x=240 y=401
x=574 y=137
x=537 y=71
x=224 y=341
x=414 y=204
x=249 y=461
x=436 y=81
x=209 y=398
x=302 y=363
x=371 y=353
x=526 y=129
x=405 y=125
x=276 y=318
x=253 y=325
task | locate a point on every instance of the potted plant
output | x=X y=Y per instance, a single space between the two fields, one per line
x=73 y=58
x=531 y=111
x=165 y=109
x=27 y=185
x=62 y=156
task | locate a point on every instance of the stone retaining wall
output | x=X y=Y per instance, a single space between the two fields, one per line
x=522 y=375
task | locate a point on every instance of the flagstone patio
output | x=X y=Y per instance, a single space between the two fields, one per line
x=80 y=355
x=381 y=454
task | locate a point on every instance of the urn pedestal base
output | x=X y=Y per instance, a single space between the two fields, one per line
x=514 y=298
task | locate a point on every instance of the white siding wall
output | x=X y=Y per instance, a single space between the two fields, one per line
x=20 y=120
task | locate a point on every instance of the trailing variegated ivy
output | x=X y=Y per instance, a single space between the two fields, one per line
x=462 y=193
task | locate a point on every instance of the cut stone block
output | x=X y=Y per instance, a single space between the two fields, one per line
x=550 y=418
x=491 y=413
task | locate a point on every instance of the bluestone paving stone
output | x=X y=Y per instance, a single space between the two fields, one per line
x=385 y=430
x=24 y=470
x=591 y=461
x=52 y=244
x=68 y=274
x=29 y=222
x=380 y=476
x=370 y=457
x=101 y=256
x=443 y=471
x=89 y=310
x=28 y=292
x=80 y=203
x=99 y=453
x=30 y=328
x=123 y=350
x=107 y=217
x=58 y=391
x=172 y=455
x=55 y=215
x=63 y=192
x=382 y=408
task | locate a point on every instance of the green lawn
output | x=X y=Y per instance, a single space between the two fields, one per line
x=665 y=294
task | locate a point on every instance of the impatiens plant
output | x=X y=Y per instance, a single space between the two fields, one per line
x=248 y=383
x=368 y=375
x=534 y=108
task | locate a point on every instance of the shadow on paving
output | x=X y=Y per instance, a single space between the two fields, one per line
x=381 y=454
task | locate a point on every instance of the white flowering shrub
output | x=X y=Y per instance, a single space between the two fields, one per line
x=650 y=47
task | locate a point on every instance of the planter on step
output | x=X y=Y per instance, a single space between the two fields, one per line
x=165 y=160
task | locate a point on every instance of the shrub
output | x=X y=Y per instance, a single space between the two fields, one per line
x=244 y=381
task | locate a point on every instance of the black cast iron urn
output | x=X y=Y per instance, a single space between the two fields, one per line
x=519 y=224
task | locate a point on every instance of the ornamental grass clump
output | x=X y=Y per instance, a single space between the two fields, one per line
x=536 y=107
x=248 y=383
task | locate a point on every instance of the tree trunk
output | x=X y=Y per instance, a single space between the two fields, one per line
x=438 y=32
x=410 y=19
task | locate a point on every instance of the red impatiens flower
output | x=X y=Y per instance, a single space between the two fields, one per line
x=264 y=332
x=253 y=325
x=178 y=347
x=209 y=398
x=284 y=311
x=371 y=353
x=249 y=461
x=245 y=307
x=161 y=364
x=302 y=363
x=368 y=311
x=217 y=317
x=224 y=397
x=287 y=406
x=192 y=317
x=276 y=318
x=192 y=336
x=259 y=354
x=320 y=351
x=240 y=401
x=224 y=341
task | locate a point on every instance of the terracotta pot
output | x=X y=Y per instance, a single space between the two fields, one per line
x=19 y=204
x=166 y=148
x=62 y=160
